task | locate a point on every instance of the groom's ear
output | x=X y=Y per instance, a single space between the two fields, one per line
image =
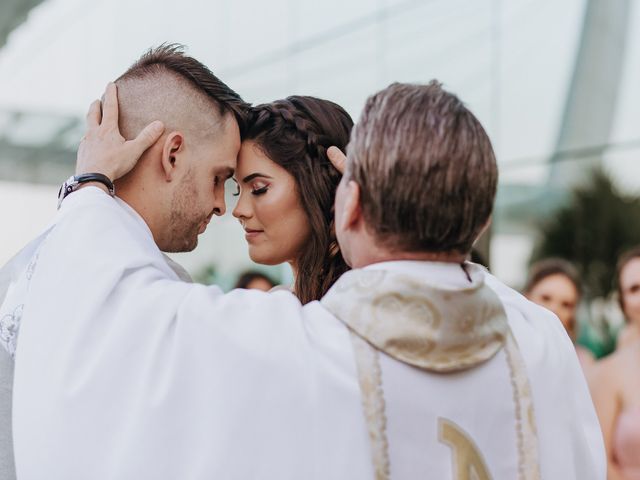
x=172 y=148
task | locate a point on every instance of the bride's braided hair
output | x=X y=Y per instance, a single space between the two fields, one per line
x=295 y=133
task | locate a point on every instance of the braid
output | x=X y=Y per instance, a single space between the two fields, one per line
x=316 y=144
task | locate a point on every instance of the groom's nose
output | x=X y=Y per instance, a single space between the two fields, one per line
x=219 y=207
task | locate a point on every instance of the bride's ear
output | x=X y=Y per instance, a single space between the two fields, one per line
x=172 y=149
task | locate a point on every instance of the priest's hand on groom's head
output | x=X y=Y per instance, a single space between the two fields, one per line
x=103 y=149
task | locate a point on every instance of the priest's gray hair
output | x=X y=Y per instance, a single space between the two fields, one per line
x=426 y=169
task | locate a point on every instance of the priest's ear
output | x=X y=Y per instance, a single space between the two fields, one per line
x=348 y=209
x=172 y=149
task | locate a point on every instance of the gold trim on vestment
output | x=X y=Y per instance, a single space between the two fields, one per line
x=370 y=378
x=467 y=459
x=526 y=431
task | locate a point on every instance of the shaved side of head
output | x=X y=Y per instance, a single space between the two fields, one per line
x=165 y=84
x=164 y=95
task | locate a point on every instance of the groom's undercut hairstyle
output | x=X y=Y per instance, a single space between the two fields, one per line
x=425 y=167
x=165 y=84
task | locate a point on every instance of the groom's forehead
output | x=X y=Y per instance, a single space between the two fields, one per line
x=221 y=149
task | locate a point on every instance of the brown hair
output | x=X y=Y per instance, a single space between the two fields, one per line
x=171 y=58
x=623 y=260
x=425 y=167
x=295 y=133
x=552 y=266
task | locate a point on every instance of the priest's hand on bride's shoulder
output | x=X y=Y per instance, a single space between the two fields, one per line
x=337 y=158
x=103 y=149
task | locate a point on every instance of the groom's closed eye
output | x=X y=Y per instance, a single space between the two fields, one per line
x=222 y=175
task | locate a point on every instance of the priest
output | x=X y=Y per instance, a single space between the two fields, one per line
x=416 y=364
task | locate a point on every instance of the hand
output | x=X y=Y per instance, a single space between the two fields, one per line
x=337 y=158
x=103 y=149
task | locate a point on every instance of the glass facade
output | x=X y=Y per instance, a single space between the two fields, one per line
x=512 y=62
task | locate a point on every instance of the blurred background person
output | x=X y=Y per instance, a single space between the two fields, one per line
x=478 y=258
x=554 y=284
x=615 y=381
x=628 y=284
x=254 y=280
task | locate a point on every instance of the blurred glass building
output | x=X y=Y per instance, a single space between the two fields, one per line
x=554 y=83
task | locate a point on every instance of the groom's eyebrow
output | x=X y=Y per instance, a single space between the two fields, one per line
x=248 y=178
x=227 y=172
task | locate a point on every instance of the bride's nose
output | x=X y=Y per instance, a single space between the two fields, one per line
x=242 y=209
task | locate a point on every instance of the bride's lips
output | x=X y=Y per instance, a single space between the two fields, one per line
x=250 y=234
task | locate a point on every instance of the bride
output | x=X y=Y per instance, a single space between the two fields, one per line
x=287 y=186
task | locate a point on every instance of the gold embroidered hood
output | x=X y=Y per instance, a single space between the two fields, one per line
x=418 y=323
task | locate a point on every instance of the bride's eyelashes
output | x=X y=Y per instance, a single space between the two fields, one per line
x=254 y=191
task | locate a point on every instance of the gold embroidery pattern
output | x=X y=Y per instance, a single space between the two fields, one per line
x=370 y=378
x=404 y=317
x=527 y=435
x=468 y=462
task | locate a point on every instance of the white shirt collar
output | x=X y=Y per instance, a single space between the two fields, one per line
x=445 y=274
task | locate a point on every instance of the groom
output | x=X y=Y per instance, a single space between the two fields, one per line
x=175 y=189
x=414 y=365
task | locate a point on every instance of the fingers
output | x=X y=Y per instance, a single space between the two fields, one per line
x=110 y=106
x=94 y=115
x=147 y=137
x=337 y=158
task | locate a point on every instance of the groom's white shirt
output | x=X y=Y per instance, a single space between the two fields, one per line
x=14 y=279
x=123 y=371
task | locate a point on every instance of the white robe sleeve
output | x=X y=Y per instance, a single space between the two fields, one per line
x=123 y=371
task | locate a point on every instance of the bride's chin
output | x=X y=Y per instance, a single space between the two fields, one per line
x=263 y=258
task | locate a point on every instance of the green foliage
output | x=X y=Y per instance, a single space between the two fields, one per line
x=207 y=275
x=591 y=230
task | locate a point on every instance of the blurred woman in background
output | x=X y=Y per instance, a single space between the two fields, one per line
x=554 y=284
x=615 y=381
x=254 y=280
x=629 y=297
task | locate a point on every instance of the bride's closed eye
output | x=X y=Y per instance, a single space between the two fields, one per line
x=257 y=183
x=260 y=190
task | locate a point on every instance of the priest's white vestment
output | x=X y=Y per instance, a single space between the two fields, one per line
x=405 y=370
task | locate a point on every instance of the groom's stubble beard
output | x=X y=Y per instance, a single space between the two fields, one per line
x=185 y=219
